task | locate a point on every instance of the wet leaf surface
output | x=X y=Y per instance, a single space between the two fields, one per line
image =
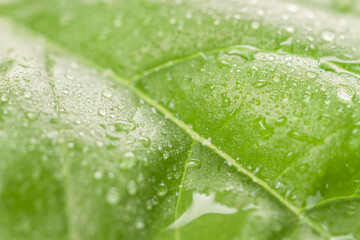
x=179 y=120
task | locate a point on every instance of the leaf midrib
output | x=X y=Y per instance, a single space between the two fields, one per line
x=127 y=83
x=63 y=160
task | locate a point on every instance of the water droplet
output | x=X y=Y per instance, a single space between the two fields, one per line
x=162 y=190
x=28 y=94
x=166 y=155
x=145 y=141
x=344 y=237
x=281 y=121
x=256 y=101
x=140 y=223
x=201 y=205
x=265 y=130
x=148 y=205
x=106 y=93
x=260 y=83
x=303 y=168
x=194 y=163
x=4 y=98
x=132 y=188
x=311 y=74
x=102 y=112
x=276 y=78
x=225 y=100
x=292 y=8
x=112 y=196
x=69 y=76
x=255 y=25
x=287 y=42
x=128 y=161
x=311 y=200
x=121 y=107
x=98 y=174
x=345 y=92
x=302 y=137
x=172 y=21
x=114 y=130
x=328 y=36
x=290 y=29
x=32 y=116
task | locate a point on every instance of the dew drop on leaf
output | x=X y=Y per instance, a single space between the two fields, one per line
x=98 y=174
x=106 y=93
x=162 y=190
x=345 y=92
x=102 y=112
x=328 y=36
x=311 y=74
x=145 y=141
x=132 y=187
x=128 y=161
x=140 y=223
x=149 y=205
x=255 y=25
x=194 y=163
x=32 y=116
x=260 y=83
x=4 y=98
x=166 y=155
x=112 y=196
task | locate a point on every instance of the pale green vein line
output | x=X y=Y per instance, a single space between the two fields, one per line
x=286 y=170
x=48 y=67
x=329 y=200
x=202 y=54
x=126 y=83
x=181 y=186
x=205 y=54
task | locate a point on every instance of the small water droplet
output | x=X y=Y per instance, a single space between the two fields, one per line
x=303 y=137
x=69 y=76
x=162 y=190
x=128 y=161
x=4 y=98
x=102 y=112
x=145 y=141
x=260 y=83
x=140 y=223
x=148 y=205
x=255 y=25
x=292 y=8
x=194 y=163
x=256 y=101
x=132 y=188
x=106 y=93
x=98 y=174
x=290 y=29
x=265 y=130
x=112 y=196
x=281 y=121
x=328 y=36
x=345 y=92
x=311 y=74
x=32 y=116
x=28 y=94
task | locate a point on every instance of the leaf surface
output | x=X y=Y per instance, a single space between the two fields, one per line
x=179 y=120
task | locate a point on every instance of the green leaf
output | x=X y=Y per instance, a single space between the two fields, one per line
x=179 y=120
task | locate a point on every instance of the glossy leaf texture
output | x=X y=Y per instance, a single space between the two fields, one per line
x=157 y=119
